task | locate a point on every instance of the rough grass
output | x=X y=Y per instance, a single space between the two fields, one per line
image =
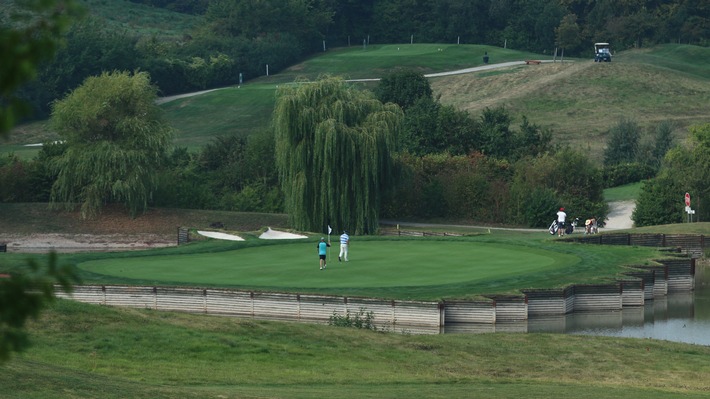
x=83 y=350
x=141 y=20
x=581 y=100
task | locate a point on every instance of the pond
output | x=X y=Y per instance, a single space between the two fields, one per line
x=679 y=317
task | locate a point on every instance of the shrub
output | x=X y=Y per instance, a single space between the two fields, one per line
x=625 y=173
x=361 y=319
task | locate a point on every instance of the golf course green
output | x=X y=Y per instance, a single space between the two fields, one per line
x=372 y=264
x=401 y=268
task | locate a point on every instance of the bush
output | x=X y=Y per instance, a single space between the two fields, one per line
x=625 y=173
x=539 y=205
x=659 y=203
x=361 y=319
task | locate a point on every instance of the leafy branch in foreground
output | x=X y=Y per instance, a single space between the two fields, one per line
x=24 y=295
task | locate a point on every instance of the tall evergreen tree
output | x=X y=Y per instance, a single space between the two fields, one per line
x=333 y=153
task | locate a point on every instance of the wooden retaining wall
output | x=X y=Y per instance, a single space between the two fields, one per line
x=637 y=285
x=690 y=244
x=480 y=312
x=272 y=306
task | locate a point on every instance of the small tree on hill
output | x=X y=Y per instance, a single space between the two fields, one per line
x=623 y=144
x=404 y=88
x=568 y=34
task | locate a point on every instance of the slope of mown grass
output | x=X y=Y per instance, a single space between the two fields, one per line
x=627 y=192
x=85 y=350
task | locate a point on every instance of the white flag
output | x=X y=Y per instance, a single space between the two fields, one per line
x=329 y=229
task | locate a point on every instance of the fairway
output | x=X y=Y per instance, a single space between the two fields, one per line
x=413 y=263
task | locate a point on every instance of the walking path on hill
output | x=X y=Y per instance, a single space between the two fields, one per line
x=163 y=100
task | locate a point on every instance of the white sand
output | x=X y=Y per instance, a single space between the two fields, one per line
x=220 y=236
x=279 y=235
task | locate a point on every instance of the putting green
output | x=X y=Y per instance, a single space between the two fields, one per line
x=414 y=263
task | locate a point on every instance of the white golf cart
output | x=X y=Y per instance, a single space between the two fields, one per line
x=602 y=52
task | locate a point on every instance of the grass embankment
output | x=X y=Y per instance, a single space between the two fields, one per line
x=84 y=350
x=579 y=100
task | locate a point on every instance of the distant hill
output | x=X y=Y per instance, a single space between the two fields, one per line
x=578 y=99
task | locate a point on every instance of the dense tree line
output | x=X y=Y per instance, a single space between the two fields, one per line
x=447 y=163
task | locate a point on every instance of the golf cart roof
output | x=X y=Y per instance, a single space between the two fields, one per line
x=601 y=44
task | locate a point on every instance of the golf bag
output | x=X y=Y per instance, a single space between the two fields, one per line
x=569 y=227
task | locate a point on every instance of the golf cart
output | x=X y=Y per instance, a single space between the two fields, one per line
x=602 y=52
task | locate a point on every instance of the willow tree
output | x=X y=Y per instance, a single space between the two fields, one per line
x=116 y=137
x=333 y=152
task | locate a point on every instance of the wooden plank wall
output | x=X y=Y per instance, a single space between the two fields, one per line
x=639 y=284
x=692 y=245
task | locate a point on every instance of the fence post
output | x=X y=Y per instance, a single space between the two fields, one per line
x=183 y=236
x=155 y=298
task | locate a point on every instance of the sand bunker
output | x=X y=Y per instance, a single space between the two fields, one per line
x=220 y=236
x=279 y=235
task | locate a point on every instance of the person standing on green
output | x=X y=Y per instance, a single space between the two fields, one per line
x=344 y=244
x=322 y=248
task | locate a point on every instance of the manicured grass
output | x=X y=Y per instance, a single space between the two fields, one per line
x=383 y=267
x=626 y=192
x=227 y=112
x=83 y=350
x=376 y=61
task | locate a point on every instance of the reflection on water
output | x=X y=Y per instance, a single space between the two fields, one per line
x=679 y=317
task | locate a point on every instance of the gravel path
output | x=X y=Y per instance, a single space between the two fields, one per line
x=620 y=215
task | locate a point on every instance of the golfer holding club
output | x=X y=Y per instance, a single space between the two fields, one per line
x=322 y=248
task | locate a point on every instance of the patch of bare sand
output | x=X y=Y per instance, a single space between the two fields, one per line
x=279 y=235
x=65 y=243
x=220 y=236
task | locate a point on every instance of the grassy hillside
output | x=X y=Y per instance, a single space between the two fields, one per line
x=578 y=99
x=88 y=351
x=581 y=100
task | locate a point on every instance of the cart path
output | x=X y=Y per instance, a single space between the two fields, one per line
x=163 y=100
x=619 y=218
